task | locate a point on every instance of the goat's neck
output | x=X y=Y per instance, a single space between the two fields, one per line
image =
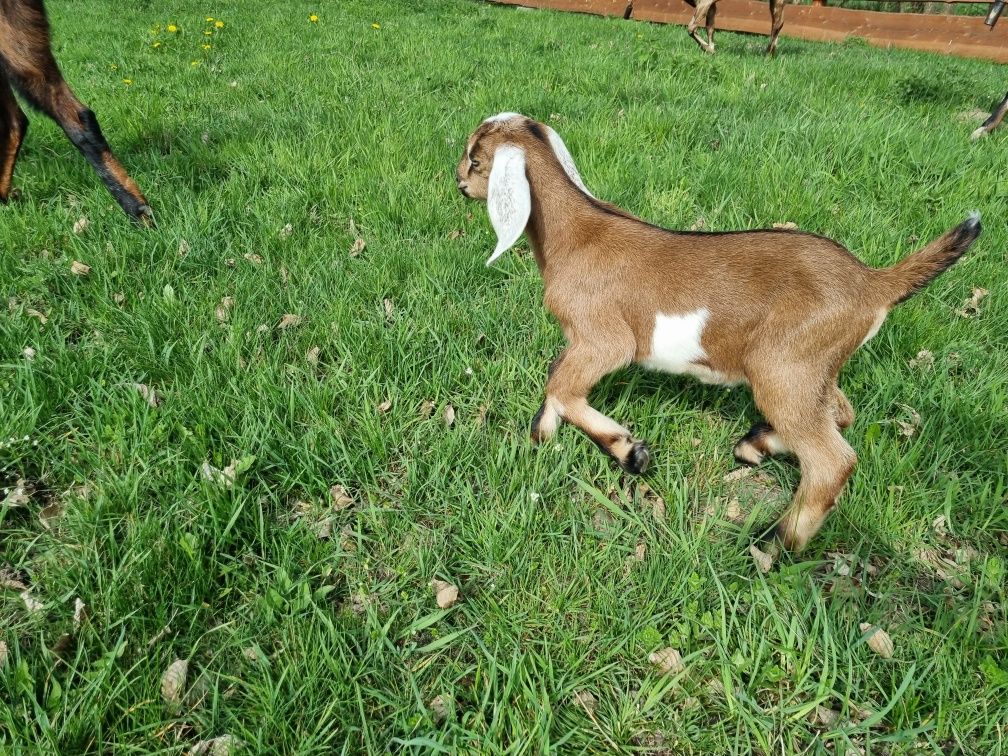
x=558 y=208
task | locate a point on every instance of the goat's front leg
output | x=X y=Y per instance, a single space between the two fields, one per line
x=571 y=379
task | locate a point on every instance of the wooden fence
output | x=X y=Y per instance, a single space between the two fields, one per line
x=964 y=36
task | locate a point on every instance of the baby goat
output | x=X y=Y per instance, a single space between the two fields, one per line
x=779 y=310
x=27 y=63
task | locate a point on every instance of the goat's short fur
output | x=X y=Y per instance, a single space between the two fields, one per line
x=704 y=12
x=779 y=310
x=27 y=64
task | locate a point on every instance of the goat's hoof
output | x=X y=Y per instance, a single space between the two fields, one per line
x=144 y=216
x=638 y=458
x=746 y=453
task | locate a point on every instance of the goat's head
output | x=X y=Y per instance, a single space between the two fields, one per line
x=493 y=169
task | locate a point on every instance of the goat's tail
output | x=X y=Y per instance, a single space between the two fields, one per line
x=918 y=269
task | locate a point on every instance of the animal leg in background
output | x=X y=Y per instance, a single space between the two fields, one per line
x=27 y=64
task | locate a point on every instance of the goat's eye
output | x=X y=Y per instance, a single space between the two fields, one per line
x=474 y=163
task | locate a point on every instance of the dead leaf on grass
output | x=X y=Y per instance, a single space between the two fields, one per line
x=173 y=682
x=340 y=498
x=289 y=320
x=971 y=306
x=31 y=603
x=384 y=407
x=312 y=355
x=426 y=409
x=79 y=269
x=183 y=248
x=358 y=246
x=51 y=512
x=10 y=580
x=924 y=360
x=33 y=313
x=149 y=395
x=585 y=700
x=81 y=225
x=667 y=660
x=3 y=654
x=80 y=614
x=787 y=225
x=440 y=706
x=763 y=561
x=253 y=258
x=222 y=745
x=449 y=415
x=286 y=231
x=18 y=496
x=389 y=306
x=823 y=716
x=879 y=640
x=223 y=310
x=29 y=353
x=445 y=593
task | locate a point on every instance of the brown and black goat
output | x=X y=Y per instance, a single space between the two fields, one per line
x=28 y=66
x=779 y=310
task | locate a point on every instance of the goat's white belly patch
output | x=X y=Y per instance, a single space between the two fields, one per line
x=675 y=347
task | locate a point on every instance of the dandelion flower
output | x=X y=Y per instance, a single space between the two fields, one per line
x=207 y=47
x=156 y=45
x=209 y=18
x=219 y=24
x=172 y=28
x=208 y=33
x=194 y=63
x=313 y=18
x=376 y=26
x=127 y=82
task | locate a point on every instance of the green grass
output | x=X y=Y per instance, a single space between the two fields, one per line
x=341 y=129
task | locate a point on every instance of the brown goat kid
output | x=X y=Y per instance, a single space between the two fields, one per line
x=27 y=64
x=779 y=310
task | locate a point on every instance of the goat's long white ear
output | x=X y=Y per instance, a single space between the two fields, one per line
x=509 y=200
x=564 y=156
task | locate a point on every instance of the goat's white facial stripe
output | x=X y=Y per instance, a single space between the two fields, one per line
x=509 y=198
x=566 y=160
x=675 y=347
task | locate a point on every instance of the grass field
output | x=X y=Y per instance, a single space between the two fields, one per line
x=307 y=617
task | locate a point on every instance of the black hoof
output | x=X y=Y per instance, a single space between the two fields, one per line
x=144 y=216
x=638 y=459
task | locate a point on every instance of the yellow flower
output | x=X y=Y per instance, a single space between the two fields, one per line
x=172 y=28
x=313 y=18
x=219 y=24
x=156 y=45
x=114 y=67
x=127 y=82
x=209 y=18
x=207 y=47
x=376 y=26
x=194 y=63
x=208 y=33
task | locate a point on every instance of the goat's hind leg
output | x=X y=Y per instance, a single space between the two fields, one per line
x=776 y=24
x=13 y=125
x=763 y=441
x=572 y=379
x=703 y=10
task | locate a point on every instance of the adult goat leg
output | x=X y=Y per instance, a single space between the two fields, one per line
x=13 y=125
x=30 y=66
